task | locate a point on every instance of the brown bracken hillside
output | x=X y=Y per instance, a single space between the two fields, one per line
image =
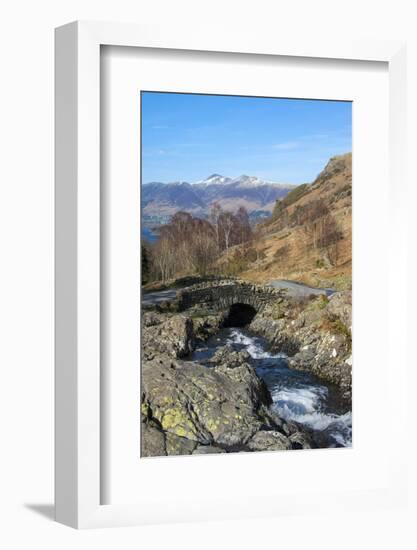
x=308 y=238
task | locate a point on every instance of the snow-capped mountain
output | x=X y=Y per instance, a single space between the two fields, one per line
x=251 y=181
x=258 y=196
x=241 y=181
x=214 y=179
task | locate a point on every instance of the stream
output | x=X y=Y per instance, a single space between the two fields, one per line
x=297 y=396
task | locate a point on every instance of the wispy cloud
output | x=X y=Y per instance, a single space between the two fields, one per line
x=185 y=137
x=286 y=145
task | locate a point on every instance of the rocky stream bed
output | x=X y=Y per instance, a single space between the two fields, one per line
x=281 y=381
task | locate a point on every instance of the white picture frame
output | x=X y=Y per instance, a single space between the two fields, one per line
x=78 y=321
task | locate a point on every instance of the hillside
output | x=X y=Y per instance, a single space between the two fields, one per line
x=258 y=196
x=308 y=238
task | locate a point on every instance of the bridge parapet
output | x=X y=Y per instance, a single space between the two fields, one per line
x=220 y=295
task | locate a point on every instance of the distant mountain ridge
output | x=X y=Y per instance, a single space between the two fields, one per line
x=257 y=195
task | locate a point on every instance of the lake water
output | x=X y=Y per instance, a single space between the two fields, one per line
x=148 y=234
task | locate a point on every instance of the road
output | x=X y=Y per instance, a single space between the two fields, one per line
x=152 y=298
x=299 y=290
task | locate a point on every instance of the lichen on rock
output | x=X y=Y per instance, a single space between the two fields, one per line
x=172 y=335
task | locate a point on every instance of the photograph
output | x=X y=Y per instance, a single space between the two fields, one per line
x=246 y=274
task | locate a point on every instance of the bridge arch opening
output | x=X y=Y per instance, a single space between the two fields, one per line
x=239 y=315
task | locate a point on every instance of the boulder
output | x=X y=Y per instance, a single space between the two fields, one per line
x=172 y=335
x=300 y=440
x=217 y=405
x=207 y=450
x=176 y=445
x=230 y=358
x=340 y=305
x=153 y=439
x=269 y=441
x=151 y=319
x=206 y=325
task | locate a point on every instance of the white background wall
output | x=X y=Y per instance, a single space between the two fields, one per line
x=26 y=273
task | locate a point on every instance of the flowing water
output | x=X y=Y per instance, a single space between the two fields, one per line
x=297 y=396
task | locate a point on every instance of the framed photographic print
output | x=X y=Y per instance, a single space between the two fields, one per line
x=228 y=265
x=224 y=210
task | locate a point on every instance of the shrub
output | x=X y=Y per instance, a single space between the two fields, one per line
x=284 y=236
x=235 y=265
x=341 y=328
x=337 y=326
x=250 y=255
x=294 y=195
x=318 y=302
x=278 y=311
x=281 y=205
x=282 y=252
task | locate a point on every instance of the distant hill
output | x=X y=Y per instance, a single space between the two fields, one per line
x=308 y=237
x=258 y=196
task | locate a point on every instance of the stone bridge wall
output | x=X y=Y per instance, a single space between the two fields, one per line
x=220 y=295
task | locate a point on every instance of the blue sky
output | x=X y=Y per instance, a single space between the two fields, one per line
x=189 y=137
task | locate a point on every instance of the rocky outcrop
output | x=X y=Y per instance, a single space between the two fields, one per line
x=269 y=441
x=217 y=405
x=175 y=335
x=188 y=408
x=315 y=334
x=230 y=358
x=171 y=335
x=222 y=405
x=206 y=324
x=340 y=306
x=208 y=450
x=153 y=438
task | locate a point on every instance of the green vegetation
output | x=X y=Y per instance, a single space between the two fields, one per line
x=341 y=328
x=337 y=326
x=281 y=205
x=278 y=310
x=295 y=195
x=145 y=264
x=338 y=282
x=292 y=197
x=241 y=261
x=318 y=303
x=236 y=265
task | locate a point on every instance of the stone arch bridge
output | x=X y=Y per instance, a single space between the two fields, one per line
x=221 y=295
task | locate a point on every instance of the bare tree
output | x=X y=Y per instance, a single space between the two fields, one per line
x=256 y=242
x=186 y=245
x=163 y=260
x=243 y=228
x=226 y=222
x=203 y=252
x=322 y=227
x=214 y=216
